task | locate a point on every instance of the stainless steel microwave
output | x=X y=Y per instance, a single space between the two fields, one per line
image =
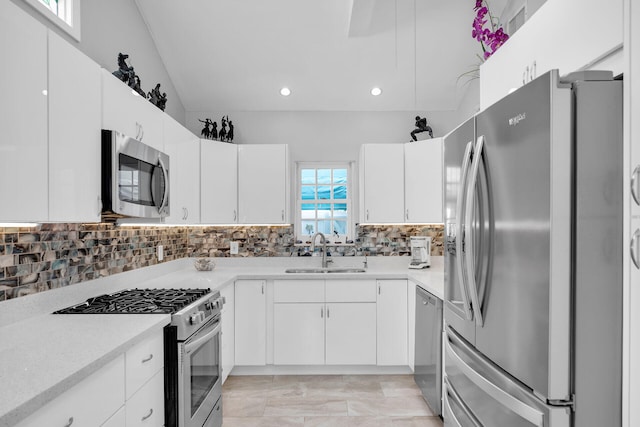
x=135 y=178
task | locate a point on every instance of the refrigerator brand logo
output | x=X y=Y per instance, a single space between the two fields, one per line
x=517 y=119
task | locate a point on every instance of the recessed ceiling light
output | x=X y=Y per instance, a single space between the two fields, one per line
x=285 y=91
x=376 y=91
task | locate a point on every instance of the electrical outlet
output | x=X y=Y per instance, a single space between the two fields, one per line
x=160 y=252
x=233 y=246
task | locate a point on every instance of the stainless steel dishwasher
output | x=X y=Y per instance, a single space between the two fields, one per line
x=428 y=357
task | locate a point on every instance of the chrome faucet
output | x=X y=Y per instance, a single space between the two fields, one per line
x=323 y=241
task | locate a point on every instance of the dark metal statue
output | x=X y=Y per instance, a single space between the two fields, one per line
x=223 y=129
x=230 y=133
x=157 y=99
x=421 y=126
x=124 y=72
x=214 y=130
x=206 y=132
x=137 y=87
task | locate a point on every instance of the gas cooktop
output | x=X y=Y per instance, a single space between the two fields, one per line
x=138 y=301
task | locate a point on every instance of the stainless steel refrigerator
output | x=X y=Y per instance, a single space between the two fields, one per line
x=533 y=260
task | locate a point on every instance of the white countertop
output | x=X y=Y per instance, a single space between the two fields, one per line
x=42 y=355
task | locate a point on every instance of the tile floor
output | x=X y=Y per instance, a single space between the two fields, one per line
x=325 y=401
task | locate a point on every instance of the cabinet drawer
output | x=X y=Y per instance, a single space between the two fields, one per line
x=146 y=406
x=298 y=291
x=89 y=403
x=351 y=291
x=143 y=361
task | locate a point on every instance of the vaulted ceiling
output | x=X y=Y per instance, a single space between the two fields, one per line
x=236 y=55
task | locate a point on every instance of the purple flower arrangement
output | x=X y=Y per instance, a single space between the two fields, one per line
x=491 y=37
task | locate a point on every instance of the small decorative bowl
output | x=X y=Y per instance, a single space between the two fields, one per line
x=204 y=264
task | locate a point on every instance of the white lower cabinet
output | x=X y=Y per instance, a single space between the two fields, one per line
x=90 y=403
x=228 y=331
x=351 y=334
x=392 y=315
x=250 y=323
x=146 y=406
x=298 y=333
x=317 y=322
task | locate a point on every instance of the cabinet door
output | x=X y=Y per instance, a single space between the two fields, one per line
x=228 y=331
x=350 y=336
x=392 y=322
x=89 y=403
x=219 y=182
x=75 y=111
x=23 y=116
x=183 y=149
x=146 y=407
x=250 y=323
x=423 y=181
x=263 y=186
x=382 y=183
x=298 y=333
x=125 y=111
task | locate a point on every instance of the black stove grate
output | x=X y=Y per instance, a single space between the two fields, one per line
x=138 y=301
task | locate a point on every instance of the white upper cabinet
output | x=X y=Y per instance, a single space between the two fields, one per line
x=536 y=48
x=423 y=181
x=183 y=149
x=263 y=184
x=23 y=116
x=382 y=183
x=74 y=134
x=218 y=182
x=125 y=111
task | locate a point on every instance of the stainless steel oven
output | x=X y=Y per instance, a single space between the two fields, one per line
x=135 y=178
x=193 y=370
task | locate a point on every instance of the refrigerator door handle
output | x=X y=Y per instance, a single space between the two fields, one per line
x=450 y=391
x=468 y=219
x=635 y=248
x=460 y=240
x=527 y=412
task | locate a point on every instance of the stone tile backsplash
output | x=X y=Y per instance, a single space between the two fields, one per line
x=50 y=256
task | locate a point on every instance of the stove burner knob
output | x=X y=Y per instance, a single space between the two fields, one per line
x=196 y=318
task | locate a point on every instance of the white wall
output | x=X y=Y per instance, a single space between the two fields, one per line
x=113 y=26
x=325 y=136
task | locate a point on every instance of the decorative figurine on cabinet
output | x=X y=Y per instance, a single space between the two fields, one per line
x=421 y=126
x=206 y=132
x=124 y=72
x=157 y=99
x=223 y=129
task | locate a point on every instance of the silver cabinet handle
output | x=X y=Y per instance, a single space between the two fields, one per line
x=68 y=424
x=327 y=312
x=470 y=255
x=321 y=312
x=635 y=249
x=235 y=215
x=282 y=214
x=262 y=288
x=407 y=215
x=148 y=415
x=147 y=359
x=460 y=243
x=367 y=214
x=635 y=185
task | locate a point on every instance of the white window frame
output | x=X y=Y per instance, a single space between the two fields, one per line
x=349 y=166
x=70 y=24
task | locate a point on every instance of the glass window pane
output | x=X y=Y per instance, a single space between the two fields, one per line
x=308 y=211
x=324 y=227
x=340 y=227
x=324 y=192
x=308 y=227
x=339 y=176
x=340 y=192
x=308 y=176
x=324 y=176
x=340 y=210
x=308 y=192
x=324 y=211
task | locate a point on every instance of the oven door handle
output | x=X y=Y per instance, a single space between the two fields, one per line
x=191 y=345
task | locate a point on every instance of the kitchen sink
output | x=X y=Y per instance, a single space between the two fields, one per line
x=326 y=270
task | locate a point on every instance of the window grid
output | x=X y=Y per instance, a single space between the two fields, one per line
x=323 y=201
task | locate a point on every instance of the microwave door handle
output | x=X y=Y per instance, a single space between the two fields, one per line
x=165 y=196
x=460 y=240
x=468 y=220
